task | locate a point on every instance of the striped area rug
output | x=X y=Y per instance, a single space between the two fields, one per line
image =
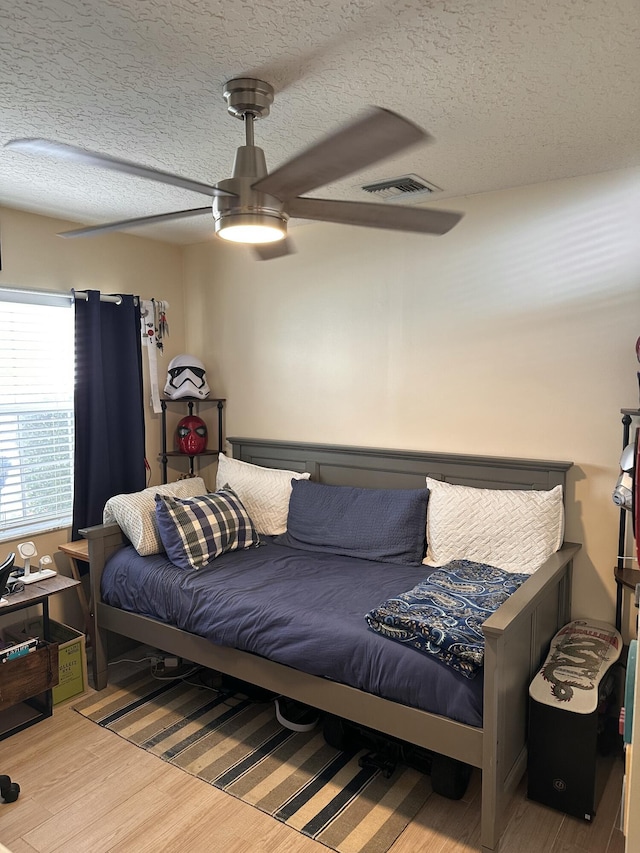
x=238 y=745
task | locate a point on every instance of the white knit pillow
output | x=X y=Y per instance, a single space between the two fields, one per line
x=136 y=512
x=513 y=529
x=265 y=492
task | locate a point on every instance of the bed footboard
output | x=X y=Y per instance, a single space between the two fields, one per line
x=517 y=637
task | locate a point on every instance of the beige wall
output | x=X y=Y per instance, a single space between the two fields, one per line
x=34 y=257
x=512 y=335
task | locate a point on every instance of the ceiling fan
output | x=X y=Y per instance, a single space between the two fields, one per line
x=254 y=206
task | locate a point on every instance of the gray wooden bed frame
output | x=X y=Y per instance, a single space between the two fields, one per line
x=517 y=636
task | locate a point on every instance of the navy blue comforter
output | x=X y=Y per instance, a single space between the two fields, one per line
x=299 y=608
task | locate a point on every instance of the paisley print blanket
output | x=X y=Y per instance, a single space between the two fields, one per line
x=443 y=614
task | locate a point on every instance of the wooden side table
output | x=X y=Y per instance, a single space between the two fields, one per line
x=26 y=683
x=79 y=551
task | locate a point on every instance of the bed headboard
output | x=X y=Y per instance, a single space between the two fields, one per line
x=372 y=467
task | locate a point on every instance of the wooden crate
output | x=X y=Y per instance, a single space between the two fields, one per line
x=72 y=657
x=29 y=675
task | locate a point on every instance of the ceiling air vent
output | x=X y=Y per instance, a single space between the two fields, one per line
x=406 y=187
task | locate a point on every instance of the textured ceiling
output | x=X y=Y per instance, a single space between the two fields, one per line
x=513 y=93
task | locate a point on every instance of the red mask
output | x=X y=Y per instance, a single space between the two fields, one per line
x=191 y=435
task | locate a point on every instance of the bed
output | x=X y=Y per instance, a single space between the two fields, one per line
x=516 y=636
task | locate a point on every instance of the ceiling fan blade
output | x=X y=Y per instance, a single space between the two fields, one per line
x=91 y=230
x=269 y=251
x=62 y=151
x=379 y=133
x=396 y=218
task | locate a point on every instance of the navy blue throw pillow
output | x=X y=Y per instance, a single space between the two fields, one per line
x=387 y=525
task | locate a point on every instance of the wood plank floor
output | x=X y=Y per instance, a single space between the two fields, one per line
x=85 y=790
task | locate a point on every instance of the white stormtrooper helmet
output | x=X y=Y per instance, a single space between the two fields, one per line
x=186 y=377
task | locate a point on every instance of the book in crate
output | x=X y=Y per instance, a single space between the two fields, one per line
x=12 y=650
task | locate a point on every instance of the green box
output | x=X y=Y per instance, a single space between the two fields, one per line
x=72 y=658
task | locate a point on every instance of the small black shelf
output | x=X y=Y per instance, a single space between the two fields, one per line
x=628 y=577
x=191 y=404
x=193 y=455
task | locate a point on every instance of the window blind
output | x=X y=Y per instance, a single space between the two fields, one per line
x=36 y=415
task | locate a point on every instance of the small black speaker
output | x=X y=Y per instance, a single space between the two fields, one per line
x=563 y=751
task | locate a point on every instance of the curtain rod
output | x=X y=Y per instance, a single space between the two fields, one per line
x=59 y=294
x=104 y=297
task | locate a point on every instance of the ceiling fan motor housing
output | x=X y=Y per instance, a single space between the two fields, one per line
x=247 y=206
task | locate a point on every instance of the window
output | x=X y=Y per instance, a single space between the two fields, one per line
x=36 y=413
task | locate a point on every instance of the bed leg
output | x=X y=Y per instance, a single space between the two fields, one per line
x=99 y=662
x=490 y=814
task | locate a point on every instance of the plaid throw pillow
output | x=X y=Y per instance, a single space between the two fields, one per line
x=194 y=531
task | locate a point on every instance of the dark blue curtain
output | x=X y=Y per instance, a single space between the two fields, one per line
x=109 y=414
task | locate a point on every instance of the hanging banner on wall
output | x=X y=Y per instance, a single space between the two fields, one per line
x=153 y=314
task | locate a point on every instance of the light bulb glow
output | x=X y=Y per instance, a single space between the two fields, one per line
x=243 y=233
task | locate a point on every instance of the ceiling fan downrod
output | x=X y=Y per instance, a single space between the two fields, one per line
x=248 y=99
x=249 y=119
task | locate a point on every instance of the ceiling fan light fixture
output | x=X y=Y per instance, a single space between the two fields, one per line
x=251 y=228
